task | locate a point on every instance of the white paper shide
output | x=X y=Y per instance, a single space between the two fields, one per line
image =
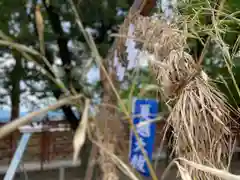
x=132 y=55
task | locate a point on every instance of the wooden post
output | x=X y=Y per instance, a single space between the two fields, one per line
x=91 y=162
x=62 y=173
x=145 y=6
x=48 y=145
x=41 y=149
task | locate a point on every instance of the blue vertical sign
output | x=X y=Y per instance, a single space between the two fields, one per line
x=143 y=110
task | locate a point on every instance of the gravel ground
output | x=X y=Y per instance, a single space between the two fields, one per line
x=77 y=174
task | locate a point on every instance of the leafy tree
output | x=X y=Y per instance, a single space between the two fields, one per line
x=60 y=29
x=215 y=28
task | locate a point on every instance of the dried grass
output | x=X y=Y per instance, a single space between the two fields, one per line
x=106 y=163
x=198 y=110
x=199 y=119
x=98 y=59
x=80 y=134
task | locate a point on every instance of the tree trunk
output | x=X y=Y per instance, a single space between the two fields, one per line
x=62 y=41
x=15 y=78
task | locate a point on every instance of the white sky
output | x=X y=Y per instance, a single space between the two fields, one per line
x=27 y=100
